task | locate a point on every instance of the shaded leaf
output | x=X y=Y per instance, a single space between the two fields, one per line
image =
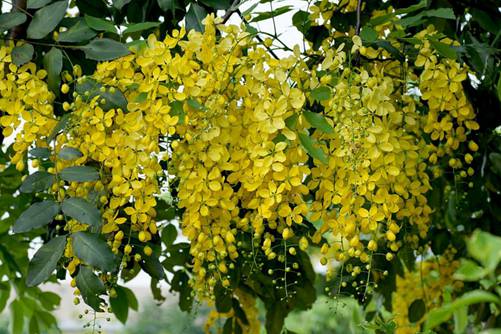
x=90 y=287
x=301 y=20
x=132 y=28
x=37 y=182
x=310 y=146
x=118 y=4
x=37 y=215
x=22 y=54
x=271 y=14
x=131 y=298
x=115 y=99
x=46 y=19
x=100 y=24
x=93 y=250
x=79 y=32
x=81 y=210
x=10 y=20
x=40 y=152
x=104 y=49
x=169 y=235
x=80 y=174
x=443 y=49
x=69 y=153
x=416 y=310
x=217 y=4
x=321 y=93
x=35 y=4
x=194 y=17
x=120 y=304
x=44 y=262
x=53 y=64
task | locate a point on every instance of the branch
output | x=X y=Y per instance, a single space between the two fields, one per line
x=258 y=37
x=233 y=9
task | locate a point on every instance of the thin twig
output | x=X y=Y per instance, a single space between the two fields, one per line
x=258 y=37
x=359 y=8
x=233 y=9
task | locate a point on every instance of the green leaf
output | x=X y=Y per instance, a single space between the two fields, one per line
x=469 y=271
x=49 y=300
x=485 y=20
x=131 y=298
x=69 y=153
x=194 y=17
x=80 y=174
x=115 y=99
x=102 y=49
x=495 y=160
x=93 y=250
x=90 y=287
x=485 y=248
x=37 y=215
x=444 y=13
x=318 y=121
x=35 y=4
x=460 y=320
x=37 y=182
x=132 y=28
x=416 y=310
x=100 y=24
x=120 y=304
x=271 y=14
x=81 y=210
x=10 y=20
x=321 y=93
x=169 y=5
x=46 y=19
x=153 y=267
x=443 y=49
x=44 y=262
x=368 y=34
x=40 y=152
x=118 y=4
x=17 y=316
x=499 y=87
x=169 y=235
x=180 y=283
x=60 y=126
x=314 y=151
x=195 y=104
x=22 y=54
x=223 y=299
x=176 y=109
x=33 y=326
x=79 y=32
x=217 y=4
x=301 y=20
x=53 y=64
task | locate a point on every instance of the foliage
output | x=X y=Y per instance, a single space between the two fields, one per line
x=374 y=147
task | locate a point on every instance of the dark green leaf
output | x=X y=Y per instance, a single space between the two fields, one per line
x=115 y=99
x=132 y=28
x=93 y=250
x=131 y=298
x=102 y=49
x=100 y=24
x=81 y=210
x=10 y=20
x=485 y=21
x=416 y=310
x=495 y=160
x=118 y=4
x=169 y=5
x=223 y=299
x=318 y=121
x=443 y=49
x=45 y=260
x=60 y=126
x=228 y=326
x=69 y=153
x=169 y=235
x=155 y=290
x=499 y=88
x=274 y=13
x=368 y=34
x=36 y=182
x=444 y=13
x=321 y=93
x=53 y=64
x=46 y=19
x=176 y=109
x=37 y=215
x=80 y=32
x=80 y=174
x=22 y=54
x=40 y=152
x=17 y=316
x=90 y=287
x=120 y=304
x=194 y=17
x=217 y=4
x=301 y=20
x=153 y=267
x=313 y=150
x=180 y=284
x=33 y=326
x=35 y=4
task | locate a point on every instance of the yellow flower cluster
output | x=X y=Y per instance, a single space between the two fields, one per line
x=427 y=283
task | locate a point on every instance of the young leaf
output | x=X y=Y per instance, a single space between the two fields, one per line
x=35 y=4
x=37 y=215
x=309 y=145
x=90 y=287
x=44 y=262
x=53 y=64
x=22 y=54
x=79 y=174
x=102 y=49
x=46 y=19
x=318 y=121
x=321 y=93
x=194 y=17
x=132 y=28
x=79 y=32
x=93 y=250
x=81 y=210
x=99 y=24
x=69 y=153
x=10 y=20
x=36 y=182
